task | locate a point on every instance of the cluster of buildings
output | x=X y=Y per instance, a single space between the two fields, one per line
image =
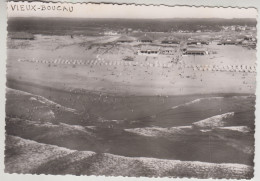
x=111 y=33
x=192 y=42
x=246 y=41
x=147 y=45
x=147 y=39
x=168 y=46
x=238 y=28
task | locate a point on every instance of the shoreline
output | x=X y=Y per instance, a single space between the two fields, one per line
x=12 y=83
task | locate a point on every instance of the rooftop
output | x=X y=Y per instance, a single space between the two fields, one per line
x=193 y=49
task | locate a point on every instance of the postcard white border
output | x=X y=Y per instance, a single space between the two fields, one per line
x=3 y=35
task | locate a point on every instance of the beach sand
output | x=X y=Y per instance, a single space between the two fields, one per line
x=108 y=72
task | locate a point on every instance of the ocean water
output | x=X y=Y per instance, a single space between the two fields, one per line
x=206 y=128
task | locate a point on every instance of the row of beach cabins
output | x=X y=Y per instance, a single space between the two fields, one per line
x=193 y=45
x=94 y=62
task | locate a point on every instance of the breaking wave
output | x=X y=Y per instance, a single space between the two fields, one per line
x=40 y=99
x=196 y=101
x=158 y=131
x=242 y=129
x=209 y=99
x=48 y=129
x=244 y=97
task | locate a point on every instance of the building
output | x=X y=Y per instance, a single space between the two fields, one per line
x=145 y=39
x=193 y=43
x=149 y=50
x=228 y=42
x=197 y=42
x=21 y=36
x=110 y=33
x=125 y=39
x=195 y=51
x=170 y=40
x=168 y=50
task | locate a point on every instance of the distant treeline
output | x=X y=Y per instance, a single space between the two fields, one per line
x=89 y=26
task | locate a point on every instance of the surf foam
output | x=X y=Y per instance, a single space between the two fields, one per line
x=40 y=99
x=242 y=129
x=196 y=101
x=158 y=131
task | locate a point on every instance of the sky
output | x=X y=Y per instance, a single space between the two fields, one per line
x=125 y=11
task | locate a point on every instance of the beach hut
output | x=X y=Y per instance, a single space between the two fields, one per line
x=195 y=51
x=149 y=50
x=229 y=42
x=168 y=50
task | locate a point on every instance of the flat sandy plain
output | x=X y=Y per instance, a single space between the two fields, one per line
x=107 y=116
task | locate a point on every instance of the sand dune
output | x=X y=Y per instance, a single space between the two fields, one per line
x=47 y=159
x=214 y=121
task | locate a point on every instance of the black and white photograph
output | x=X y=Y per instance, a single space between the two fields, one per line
x=130 y=90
